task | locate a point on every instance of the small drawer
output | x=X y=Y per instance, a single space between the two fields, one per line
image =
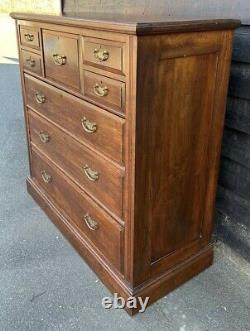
x=31 y=62
x=83 y=120
x=93 y=223
x=104 y=91
x=97 y=176
x=29 y=37
x=105 y=54
x=61 y=58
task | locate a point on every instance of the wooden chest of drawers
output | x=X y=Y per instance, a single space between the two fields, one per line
x=124 y=125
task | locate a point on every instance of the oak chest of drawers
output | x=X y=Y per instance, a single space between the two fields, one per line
x=124 y=124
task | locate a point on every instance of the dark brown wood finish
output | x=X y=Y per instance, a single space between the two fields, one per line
x=30 y=37
x=96 y=225
x=96 y=175
x=132 y=24
x=87 y=123
x=179 y=179
x=61 y=58
x=104 y=90
x=154 y=289
x=144 y=178
x=31 y=62
x=105 y=54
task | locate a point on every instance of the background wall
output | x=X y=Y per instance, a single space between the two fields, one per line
x=226 y=8
x=37 y=6
x=233 y=195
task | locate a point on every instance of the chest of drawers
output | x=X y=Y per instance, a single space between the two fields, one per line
x=124 y=123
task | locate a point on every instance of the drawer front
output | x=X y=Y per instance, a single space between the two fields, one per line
x=104 y=91
x=105 y=54
x=94 y=174
x=31 y=62
x=61 y=59
x=86 y=122
x=29 y=37
x=85 y=216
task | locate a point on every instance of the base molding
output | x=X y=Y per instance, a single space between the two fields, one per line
x=154 y=289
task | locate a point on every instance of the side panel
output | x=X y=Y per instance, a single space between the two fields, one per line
x=182 y=81
x=184 y=112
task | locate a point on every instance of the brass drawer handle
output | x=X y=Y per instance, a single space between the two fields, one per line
x=101 y=54
x=40 y=98
x=90 y=222
x=101 y=91
x=59 y=60
x=30 y=62
x=44 y=137
x=46 y=177
x=88 y=126
x=29 y=36
x=91 y=174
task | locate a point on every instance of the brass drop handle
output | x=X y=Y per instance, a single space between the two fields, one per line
x=46 y=177
x=29 y=36
x=88 y=126
x=44 y=136
x=101 y=91
x=101 y=54
x=90 y=222
x=31 y=62
x=91 y=174
x=59 y=60
x=40 y=98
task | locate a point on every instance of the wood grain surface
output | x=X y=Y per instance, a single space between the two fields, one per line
x=70 y=113
x=135 y=195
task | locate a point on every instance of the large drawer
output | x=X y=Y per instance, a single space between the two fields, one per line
x=86 y=122
x=61 y=58
x=100 y=178
x=90 y=220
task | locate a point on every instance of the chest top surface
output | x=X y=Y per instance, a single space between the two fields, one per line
x=130 y=24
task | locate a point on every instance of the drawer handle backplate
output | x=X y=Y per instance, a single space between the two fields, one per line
x=90 y=222
x=101 y=91
x=91 y=174
x=30 y=62
x=101 y=54
x=40 y=98
x=29 y=36
x=88 y=126
x=59 y=60
x=46 y=177
x=44 y=136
